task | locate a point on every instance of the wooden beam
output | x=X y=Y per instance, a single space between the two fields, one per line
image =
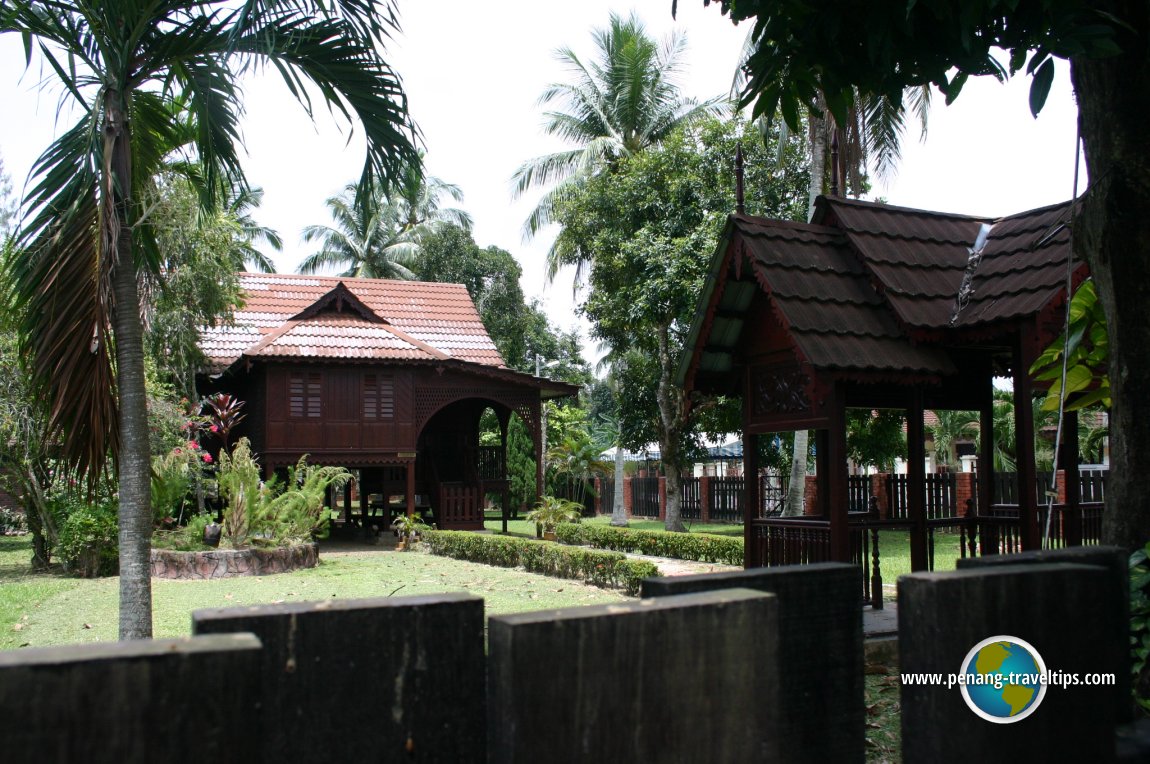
x=916 y=481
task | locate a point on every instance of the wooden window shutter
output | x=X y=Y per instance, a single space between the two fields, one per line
x=305 y=395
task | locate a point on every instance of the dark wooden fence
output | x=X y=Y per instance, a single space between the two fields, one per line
x=726 y=499
x=690 y=498
x=645 y=497
x=941 y=496
x=409 y=678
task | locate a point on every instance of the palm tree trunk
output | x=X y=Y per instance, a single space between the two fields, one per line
x=797 y=487
x=618 y=510
x=135 y=458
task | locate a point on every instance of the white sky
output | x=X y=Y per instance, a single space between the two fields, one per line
x=473 y=72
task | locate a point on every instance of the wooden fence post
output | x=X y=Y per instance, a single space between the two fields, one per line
x=168 y=700
x=379 y=679
x=616 y=707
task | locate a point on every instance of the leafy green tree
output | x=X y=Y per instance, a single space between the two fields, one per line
x=140 y=73
x=884 y=48
x=649 y=228
x=491 y=275
x=876 y=438
x=625 y=101
x=197 y=284
x=520 y=465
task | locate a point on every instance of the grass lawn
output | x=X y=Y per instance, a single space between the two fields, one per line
x=48 y=609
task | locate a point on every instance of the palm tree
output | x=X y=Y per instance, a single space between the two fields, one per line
x=138 y=73
x=367 y=242
x=383 y=239
x=949 y=428
x=238 y=207
x=621 y=103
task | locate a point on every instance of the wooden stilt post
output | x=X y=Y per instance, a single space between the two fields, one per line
x=916 y=481
x=837 y=502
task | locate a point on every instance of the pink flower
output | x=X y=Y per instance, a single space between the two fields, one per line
x=192 y=445
x=177 y=451
x=207 y=458
x=214 y=428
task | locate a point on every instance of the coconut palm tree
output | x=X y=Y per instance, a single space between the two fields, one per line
x=238 y=206
x=622 y=102
x=366 y=241
x=137 y=73
x=382 y=239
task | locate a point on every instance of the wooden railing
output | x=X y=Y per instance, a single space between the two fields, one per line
x=460 y=507
x=491 y=463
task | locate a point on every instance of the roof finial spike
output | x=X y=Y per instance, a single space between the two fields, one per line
x=835 y=163
x=740 y=207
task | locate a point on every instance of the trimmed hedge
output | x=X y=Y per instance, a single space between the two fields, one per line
x=606 y=569
x=680 y=546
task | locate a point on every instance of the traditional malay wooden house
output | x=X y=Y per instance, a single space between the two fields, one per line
x=879 y=307
x=387 y=378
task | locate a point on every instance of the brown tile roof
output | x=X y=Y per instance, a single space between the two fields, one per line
x=918 y=259
x=870 y=287
x=824 y=295
x=400 y=320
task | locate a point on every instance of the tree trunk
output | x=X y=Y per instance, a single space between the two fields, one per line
x=1111 y=232
x=797 y=487
x=671 y=420
x=135 y=457
x=618 y=510
x=40 y=520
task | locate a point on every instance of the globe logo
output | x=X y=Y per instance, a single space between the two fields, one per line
x=1003 y=679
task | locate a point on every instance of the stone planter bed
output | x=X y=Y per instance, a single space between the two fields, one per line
x=227 y=563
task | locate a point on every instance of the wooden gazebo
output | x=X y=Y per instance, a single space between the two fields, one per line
x=387 y=378
x=879 y=307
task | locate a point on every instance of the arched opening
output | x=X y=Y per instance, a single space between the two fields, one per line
x=461 y=461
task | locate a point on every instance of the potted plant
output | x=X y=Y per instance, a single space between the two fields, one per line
x=407 y=528
x=551 y=511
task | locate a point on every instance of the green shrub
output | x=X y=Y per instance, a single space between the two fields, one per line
x=12 y=523
x=701 y=547
x=187 y=538
x=88 y=542
x=604 y=569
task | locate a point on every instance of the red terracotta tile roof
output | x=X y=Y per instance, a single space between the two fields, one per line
x=408 y=320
